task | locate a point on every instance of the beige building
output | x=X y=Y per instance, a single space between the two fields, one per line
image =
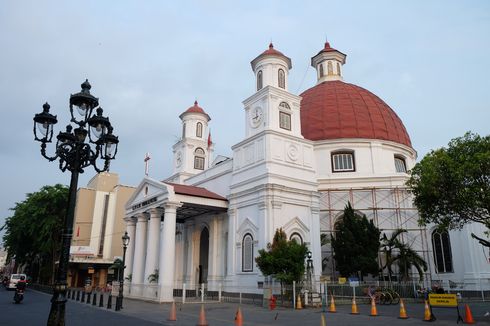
x=97 y=230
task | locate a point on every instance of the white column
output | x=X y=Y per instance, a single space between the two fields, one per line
x=139 y=250
x=131 y=229
x=189 y=252
x=153 y=243
x=167 y=253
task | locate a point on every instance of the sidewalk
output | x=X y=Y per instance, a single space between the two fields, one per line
x=218 y=314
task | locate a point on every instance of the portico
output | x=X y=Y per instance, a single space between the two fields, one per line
x=165 y=222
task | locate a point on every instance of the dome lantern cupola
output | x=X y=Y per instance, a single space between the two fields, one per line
x=271 y=68
x=328 y=64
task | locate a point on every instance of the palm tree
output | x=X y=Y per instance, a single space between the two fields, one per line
x=387 y=246
x=408 y=258
x=402 y=254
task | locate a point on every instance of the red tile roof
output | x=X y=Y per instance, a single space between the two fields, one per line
x=334 y=110
x=195 y=109
x=328 y=48
x=272 y=52
x=194 y=191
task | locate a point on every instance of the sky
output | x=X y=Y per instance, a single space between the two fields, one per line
x=148 y=61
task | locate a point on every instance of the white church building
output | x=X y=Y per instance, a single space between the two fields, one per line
x=302 y=158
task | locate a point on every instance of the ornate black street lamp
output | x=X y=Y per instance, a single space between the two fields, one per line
x=119 y=301
x=309 y=270
x=75 y=152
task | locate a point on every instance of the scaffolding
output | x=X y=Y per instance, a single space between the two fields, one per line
x=389 y=208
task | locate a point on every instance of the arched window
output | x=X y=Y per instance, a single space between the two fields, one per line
x=329 y=68
x=199 y=130
x=282 y=79
x=296 y=237
x=338 y=69
x=441 y=246
x=199 y=159
x=321 y=71
x=284 y=116
x=259 y=80
x=247 y=253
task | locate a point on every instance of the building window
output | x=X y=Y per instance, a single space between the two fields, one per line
x=321 y=70
x=329 y=68
x=343 y=162
x=285 y=120
x=441 y=246
x=247 y=253
x=282 y=79
x=199 y=159
x=338 y=68
x=400 y=165
x=183 y=130
x=199 y=130
x=296 y=237
x=259 y=80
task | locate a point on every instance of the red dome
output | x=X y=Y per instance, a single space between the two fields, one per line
x=334 y=109
x=195 y=109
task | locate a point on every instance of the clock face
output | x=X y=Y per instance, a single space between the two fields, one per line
x=256 y=116
x=178 y=159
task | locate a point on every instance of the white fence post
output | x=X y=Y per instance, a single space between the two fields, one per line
x=183 y=293
x=219 y=292
x=202 y=292
x=294 y=294
x=240 y=296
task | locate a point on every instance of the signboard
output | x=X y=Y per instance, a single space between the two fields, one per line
x=443 y=300
x=353 y=281
x=144 y=203
x=342 y=280
x=90 y=270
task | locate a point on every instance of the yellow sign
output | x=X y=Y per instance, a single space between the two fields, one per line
x=443 y=300
x=90 y=270
x=342 y=280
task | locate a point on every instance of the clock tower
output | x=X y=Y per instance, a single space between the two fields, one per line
x=272 y=107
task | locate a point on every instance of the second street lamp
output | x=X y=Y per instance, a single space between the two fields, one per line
x=119 y=300
x=74 y=153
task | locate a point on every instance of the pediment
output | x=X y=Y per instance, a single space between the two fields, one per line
x=248 y=226
x=148 y=189
x=296 y=225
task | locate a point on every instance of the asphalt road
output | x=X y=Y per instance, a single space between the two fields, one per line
x=35 y=308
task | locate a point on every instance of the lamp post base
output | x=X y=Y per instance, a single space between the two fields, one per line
x=57 y=312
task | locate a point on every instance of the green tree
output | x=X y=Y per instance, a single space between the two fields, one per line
x=355 y=244
x=451 y=185
x=401 y=254
x=33 y=233
x=284 y=259
x=408 y=258
x=388 y=247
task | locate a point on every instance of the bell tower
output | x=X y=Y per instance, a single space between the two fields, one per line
x=193 y=152
x=328 y=64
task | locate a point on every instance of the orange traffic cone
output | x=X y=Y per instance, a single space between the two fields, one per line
x=332 y=305
x=468 y=316
x=374 y=311
x=403 y=312
x=173 y=313
x=202 y=318
x=354 y=310
x=299 y=305
x=239 y=317
x=324 y=321
x=427 y=313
